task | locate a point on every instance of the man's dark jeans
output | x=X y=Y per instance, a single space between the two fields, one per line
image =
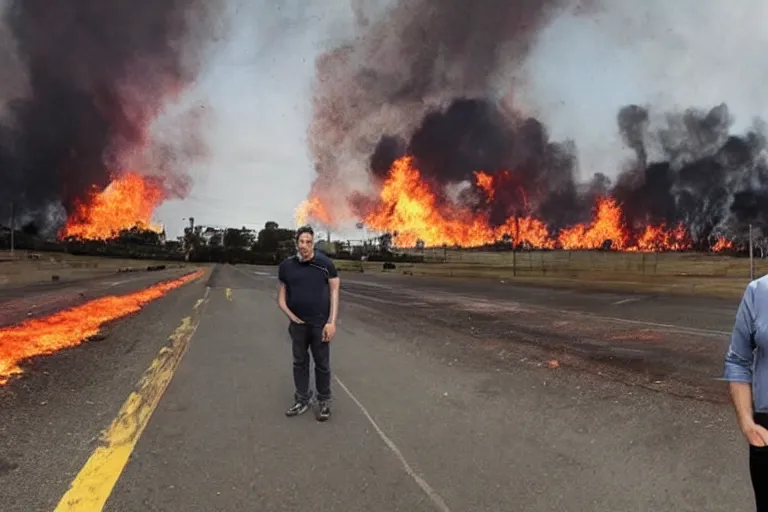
x=307 y=337
x=758 y=468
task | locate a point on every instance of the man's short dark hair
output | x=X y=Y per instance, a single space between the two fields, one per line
x=305 y=229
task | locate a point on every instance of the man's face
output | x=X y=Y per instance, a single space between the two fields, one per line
x=305 y=245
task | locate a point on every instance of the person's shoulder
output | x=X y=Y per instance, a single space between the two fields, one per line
x=323 y=259
x=758 y=286
x=286 y=264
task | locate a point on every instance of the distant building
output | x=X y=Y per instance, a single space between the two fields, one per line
x=326 y=247
x=212 y=236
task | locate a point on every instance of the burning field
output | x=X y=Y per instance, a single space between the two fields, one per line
x=80 y=153
x=417 y=123
x=126 y=202
x=652 y=207
x=71 y=327
x=410 y=209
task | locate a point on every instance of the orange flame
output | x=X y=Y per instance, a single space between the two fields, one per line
x=409 y=209
x=69 y=328
x=722 y=245
x=607 y=225
x=658 y=238
x=314 y=208
x=127 y=202
x=485 y=183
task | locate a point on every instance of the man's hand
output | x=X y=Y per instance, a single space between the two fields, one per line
x=755 y=434
x=330 y=330
x=284 y=307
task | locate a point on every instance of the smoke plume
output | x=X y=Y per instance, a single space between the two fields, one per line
x=419 y=55
x=711 y=180
x=462 y=87
x=95 y=75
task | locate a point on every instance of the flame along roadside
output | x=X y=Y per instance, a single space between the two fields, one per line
x=92 y=486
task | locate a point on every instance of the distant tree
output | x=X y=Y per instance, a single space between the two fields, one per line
x=138 y=236
x=193 y=241
x=238 y=238
x=385 y=242
x=173 y=246
x=329 y=248
x=217 y=239
x=272 y=239
x=31 y=229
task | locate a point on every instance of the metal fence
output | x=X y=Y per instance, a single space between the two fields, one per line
x=614 y=262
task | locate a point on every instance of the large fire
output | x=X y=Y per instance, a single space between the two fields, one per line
x=408 y=207
x=69 y=328
x=129 y=201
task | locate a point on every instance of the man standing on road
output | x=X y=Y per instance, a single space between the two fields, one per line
x=309 y=296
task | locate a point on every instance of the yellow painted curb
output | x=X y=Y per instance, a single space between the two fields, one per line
x=92 y=486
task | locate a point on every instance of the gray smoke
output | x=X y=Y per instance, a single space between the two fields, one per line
x=637 y=92
x=419 y=55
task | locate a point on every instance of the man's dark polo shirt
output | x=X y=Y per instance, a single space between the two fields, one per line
x=307 y=292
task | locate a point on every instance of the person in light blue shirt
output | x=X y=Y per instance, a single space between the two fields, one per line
x=746 y=370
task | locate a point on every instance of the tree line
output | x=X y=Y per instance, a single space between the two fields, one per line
x=269 y=245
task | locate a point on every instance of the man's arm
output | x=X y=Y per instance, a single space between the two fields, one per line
x=738 y=369
x=284 y=306
x=334 y=285
x=329 y=331
x=281 y=297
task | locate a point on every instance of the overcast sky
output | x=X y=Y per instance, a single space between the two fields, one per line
x=257 y=87
x=582 y=70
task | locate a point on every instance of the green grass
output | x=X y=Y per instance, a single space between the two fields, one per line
x=673 y=273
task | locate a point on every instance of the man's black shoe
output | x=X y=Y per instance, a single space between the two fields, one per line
x=323 y=412
x=297 y=409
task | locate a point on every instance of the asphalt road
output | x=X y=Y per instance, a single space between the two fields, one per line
x=18 y=303
x=447 y=398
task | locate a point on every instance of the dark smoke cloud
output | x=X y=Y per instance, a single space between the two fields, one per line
x=713 y=181
x=692 y=170
x=475 y=135
x=419 y=55
x=421 y=81
x=97 y=74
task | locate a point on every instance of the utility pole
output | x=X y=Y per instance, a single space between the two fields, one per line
x=515 y=244
x=751 y=256
x=13 y=228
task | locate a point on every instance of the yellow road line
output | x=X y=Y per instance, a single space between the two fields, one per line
x=229 y=294
x=92 y=486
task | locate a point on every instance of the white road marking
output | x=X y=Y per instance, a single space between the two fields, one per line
x=115 y=283
x=627 y=301
x=671 y=328
x=668 y=327
x=382 y=301
x=367 y=283
x=436 y=499
x=262 y=273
